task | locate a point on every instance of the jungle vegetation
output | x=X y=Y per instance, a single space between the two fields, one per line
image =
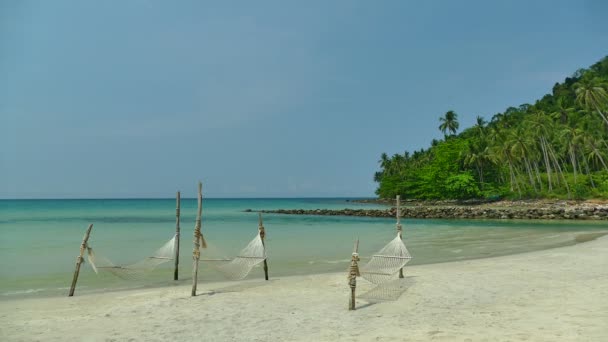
x=554 y=148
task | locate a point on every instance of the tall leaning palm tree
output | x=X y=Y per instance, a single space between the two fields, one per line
x=592 y=95
x=563 y=112
x=449 y=122
x=570 y=138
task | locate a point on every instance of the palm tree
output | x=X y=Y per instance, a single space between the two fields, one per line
x=449 y=122
x=476 y=155
x=592 y=95
x=571 y=139
x=384 y=166
x=384 y=161
x=540 y=129
x=480 y=122
x=544 y=130
x=499 y=154
x=398 y=163
x=563 y=112
x=520 y=145
x=378 y=176
x=592 y=147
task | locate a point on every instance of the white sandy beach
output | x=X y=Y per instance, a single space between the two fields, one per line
x=553 y=295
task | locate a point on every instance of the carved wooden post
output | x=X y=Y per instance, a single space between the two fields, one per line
x=177 y=212
x=399 y=227
x=199 y=241
x=262 y=236
x=79 y=260
x=353 y=273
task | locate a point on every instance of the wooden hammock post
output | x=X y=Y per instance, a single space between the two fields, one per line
x=177 y=212
x=262 y=236
x=198 y=239
x=353 y=273
x=80 y=259
x=399 y=227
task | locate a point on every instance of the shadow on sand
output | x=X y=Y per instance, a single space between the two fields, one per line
x=389 y=291
x=238 y=287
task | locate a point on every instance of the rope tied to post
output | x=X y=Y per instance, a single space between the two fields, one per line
x=353 y=270
x=353 y=273
x=261 y=229
x=199 y=242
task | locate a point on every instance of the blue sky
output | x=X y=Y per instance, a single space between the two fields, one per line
x=261 y=98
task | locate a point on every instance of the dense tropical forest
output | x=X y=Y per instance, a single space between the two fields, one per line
x=555 y=148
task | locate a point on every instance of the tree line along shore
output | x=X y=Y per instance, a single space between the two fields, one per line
x=554 y=148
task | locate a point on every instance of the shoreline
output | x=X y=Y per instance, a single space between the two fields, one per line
x=87 y=290
x=528 y=296
x=524 y=210
x=579 y=238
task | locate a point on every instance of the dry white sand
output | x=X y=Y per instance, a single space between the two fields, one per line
x=553 y=295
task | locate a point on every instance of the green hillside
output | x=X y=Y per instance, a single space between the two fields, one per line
x=554 y=148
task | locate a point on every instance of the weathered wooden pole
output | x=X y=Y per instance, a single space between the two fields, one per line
x=399 y=227
x=80 y=259
x=198 y=239
x=177 y=209
x=353 y=273
x=262 y=236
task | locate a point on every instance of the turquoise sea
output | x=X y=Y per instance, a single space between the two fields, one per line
x=40 y=239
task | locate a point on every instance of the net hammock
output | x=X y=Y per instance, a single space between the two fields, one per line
x=100 y=263
x=389 y=291
x=384 y=265
x=241 y=265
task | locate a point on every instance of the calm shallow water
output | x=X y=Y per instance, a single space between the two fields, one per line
x=40 y=239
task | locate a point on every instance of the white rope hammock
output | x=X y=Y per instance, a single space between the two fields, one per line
x=164 y=254
x=240 y=266
x=385 y=264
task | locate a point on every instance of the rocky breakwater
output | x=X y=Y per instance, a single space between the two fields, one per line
x=583 y=212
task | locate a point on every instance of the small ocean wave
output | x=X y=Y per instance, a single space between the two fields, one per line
x=22 y=292
x=39 y=290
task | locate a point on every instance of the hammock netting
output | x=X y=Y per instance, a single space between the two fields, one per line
x=240 y=266
x=385 y=264
x=382 y=269
x=164 y=254
x=388 y=291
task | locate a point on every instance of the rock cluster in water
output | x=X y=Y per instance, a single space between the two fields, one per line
x=599 y=212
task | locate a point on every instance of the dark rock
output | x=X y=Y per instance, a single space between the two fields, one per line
x=515 y=210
